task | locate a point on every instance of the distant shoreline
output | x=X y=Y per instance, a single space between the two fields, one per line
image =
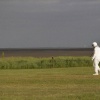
x=46 y=49
x=45 y=52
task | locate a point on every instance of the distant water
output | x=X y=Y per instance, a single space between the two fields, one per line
x=45 y=52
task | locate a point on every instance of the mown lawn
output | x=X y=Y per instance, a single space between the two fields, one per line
x=75 y=83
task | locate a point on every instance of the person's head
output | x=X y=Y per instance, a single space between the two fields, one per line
x=94 y=44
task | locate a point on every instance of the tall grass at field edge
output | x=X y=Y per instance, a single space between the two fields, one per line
x=51 y=62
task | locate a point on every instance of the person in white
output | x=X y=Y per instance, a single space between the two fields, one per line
x=96 y=58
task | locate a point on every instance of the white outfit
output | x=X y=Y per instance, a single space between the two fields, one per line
x=96 y=59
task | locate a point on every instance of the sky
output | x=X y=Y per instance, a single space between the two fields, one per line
x=49 y=23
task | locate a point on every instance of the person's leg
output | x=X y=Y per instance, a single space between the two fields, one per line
x=96 y=67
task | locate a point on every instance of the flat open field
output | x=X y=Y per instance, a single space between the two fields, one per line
x=75 y=83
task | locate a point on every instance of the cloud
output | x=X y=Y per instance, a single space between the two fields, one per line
x=49 y=23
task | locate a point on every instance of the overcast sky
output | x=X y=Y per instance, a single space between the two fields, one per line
x=49 y=23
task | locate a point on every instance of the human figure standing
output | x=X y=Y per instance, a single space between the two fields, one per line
x=96 y=57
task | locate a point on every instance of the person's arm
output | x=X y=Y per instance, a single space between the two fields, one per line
x=94 y=54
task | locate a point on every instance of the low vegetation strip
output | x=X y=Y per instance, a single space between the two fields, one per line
x=51 y=62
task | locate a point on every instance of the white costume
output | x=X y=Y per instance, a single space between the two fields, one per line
x=96 y=58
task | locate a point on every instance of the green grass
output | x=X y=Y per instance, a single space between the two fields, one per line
x=74 y=83
x=38 y=63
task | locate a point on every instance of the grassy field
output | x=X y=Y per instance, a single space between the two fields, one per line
x=74 y=83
